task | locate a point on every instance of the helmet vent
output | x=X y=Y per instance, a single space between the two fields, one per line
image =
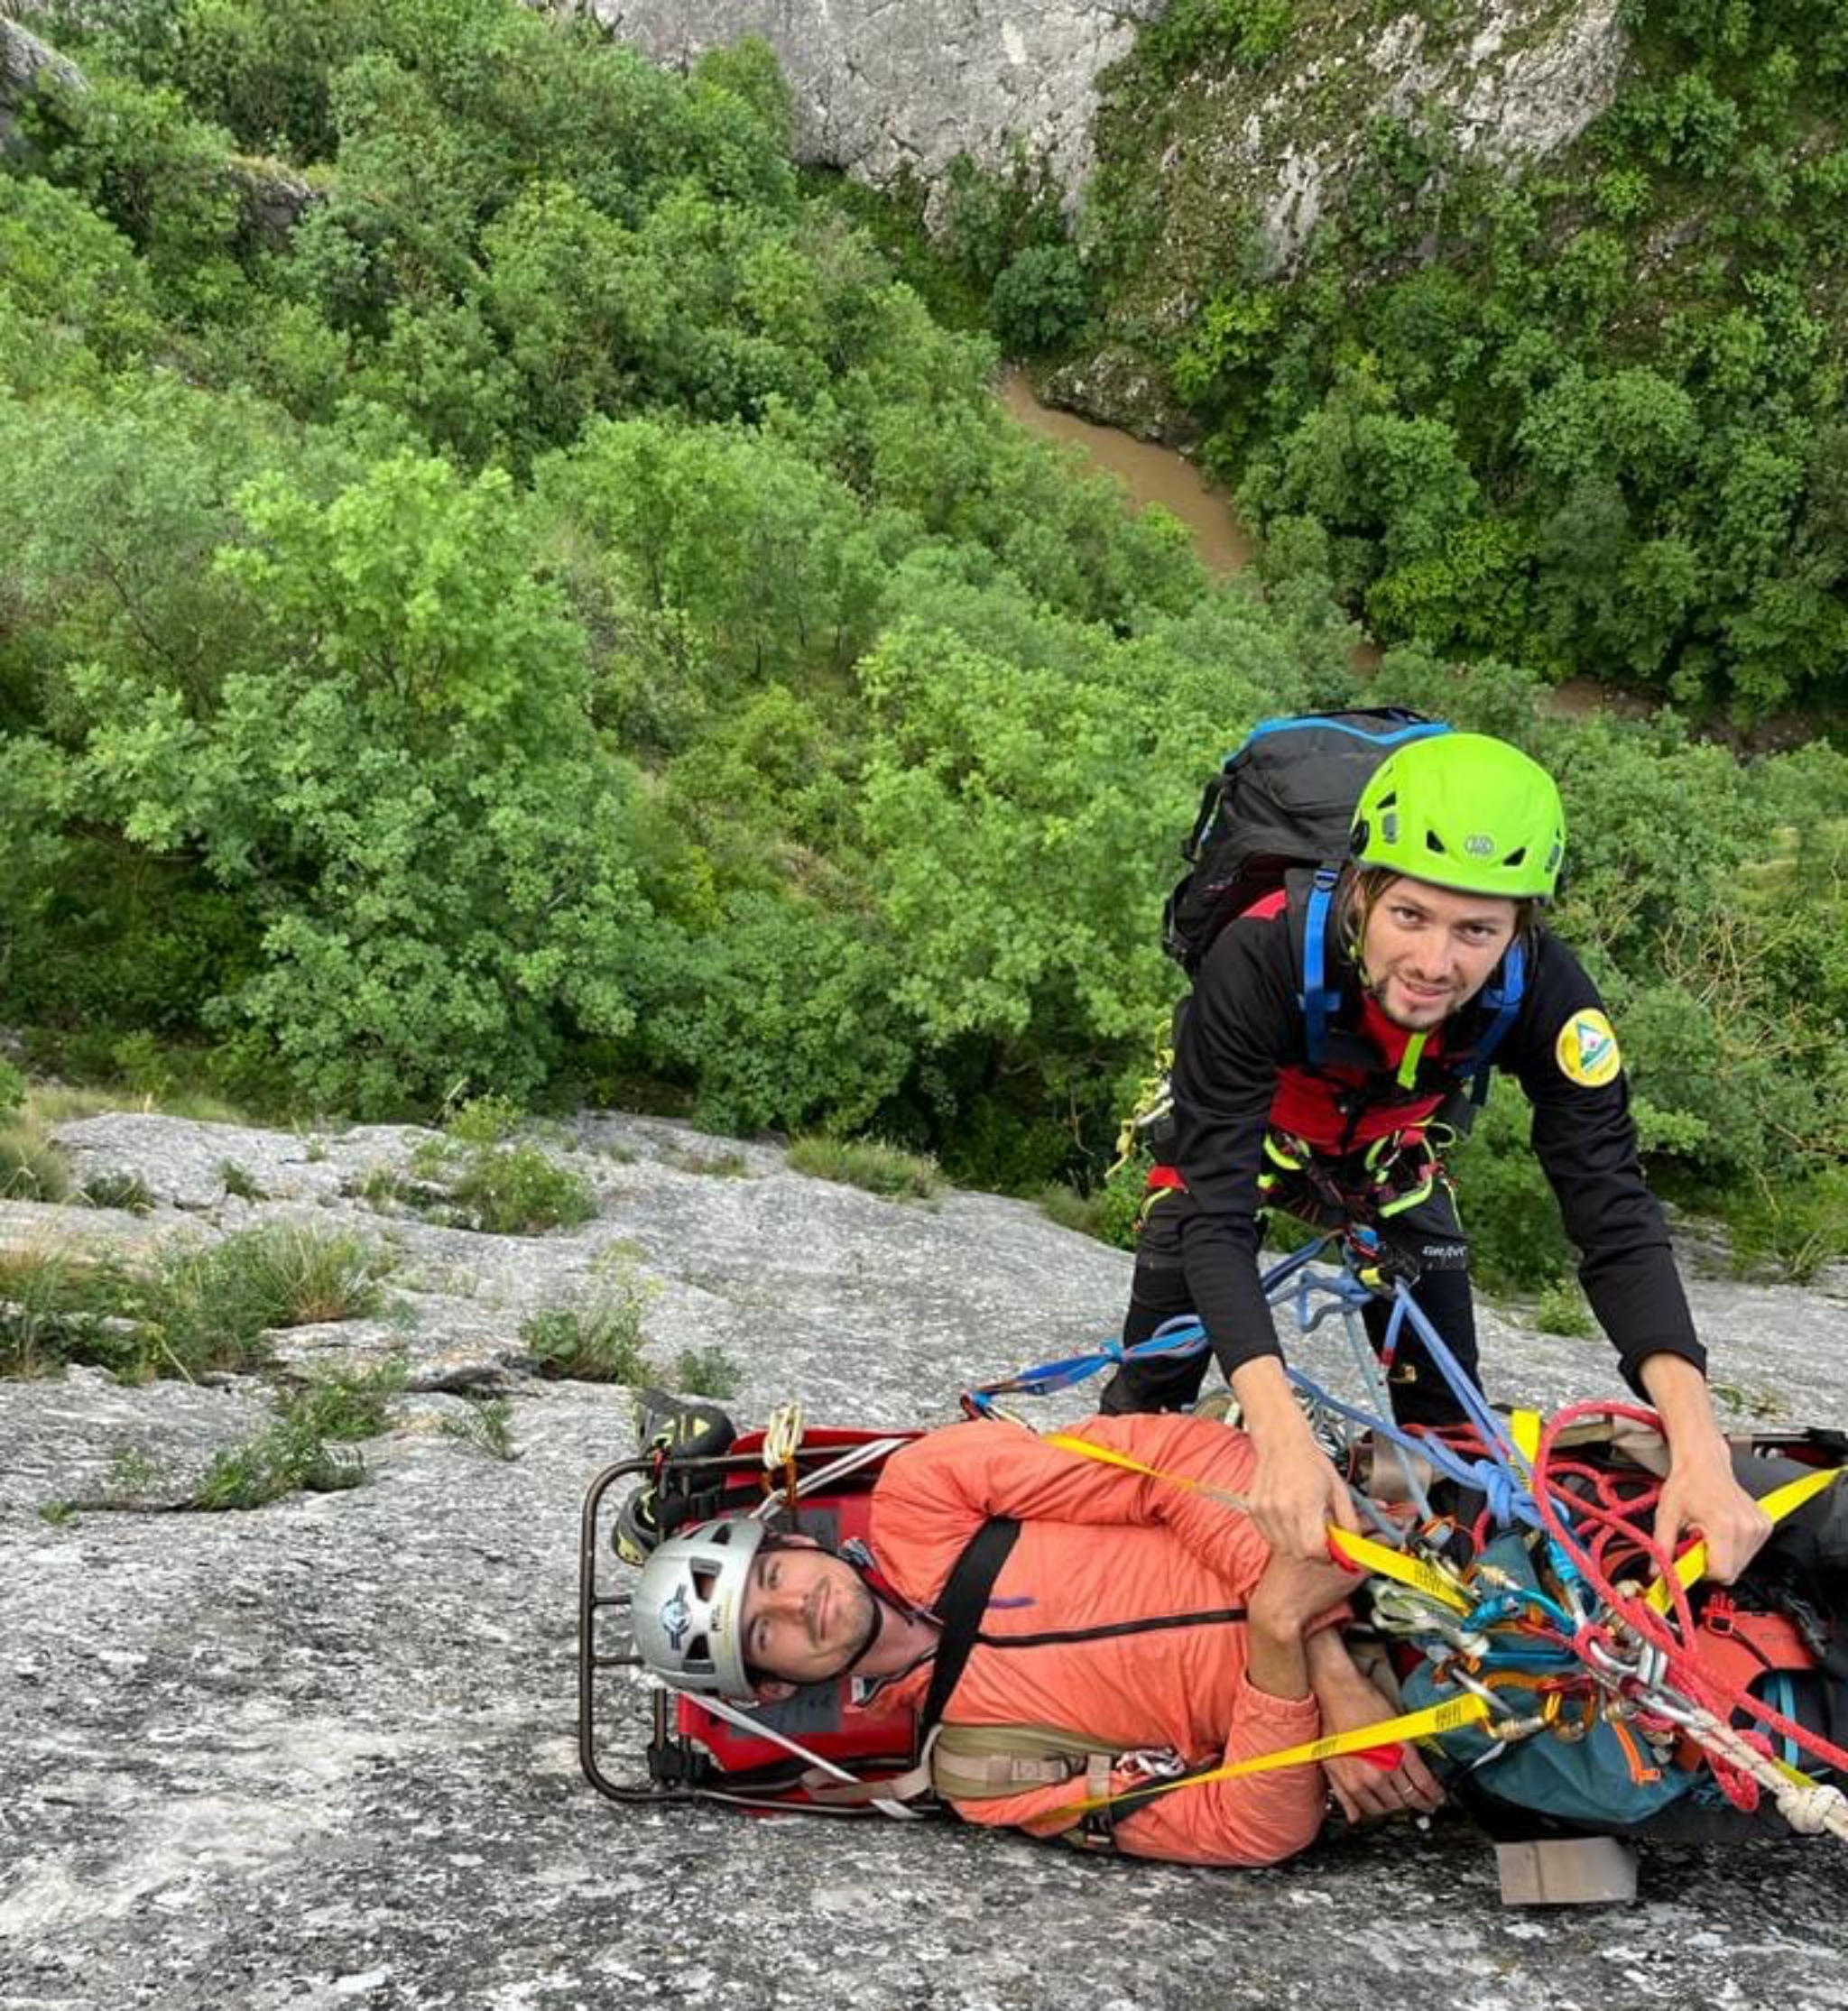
x=1433 y=843
x=705 y=1584
x=699 y=1654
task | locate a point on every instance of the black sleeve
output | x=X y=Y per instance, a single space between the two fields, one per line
x=1586 y=1139
x=1241 y=1024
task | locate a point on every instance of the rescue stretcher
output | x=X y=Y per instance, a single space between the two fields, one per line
x=1681 y=1680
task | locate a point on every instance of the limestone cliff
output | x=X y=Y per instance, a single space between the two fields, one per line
x=886 y=86
x=883 y=87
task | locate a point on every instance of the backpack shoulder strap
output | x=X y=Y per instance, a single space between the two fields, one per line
x=1502 y=1003
x=1319 y=1001
x=959 y=1609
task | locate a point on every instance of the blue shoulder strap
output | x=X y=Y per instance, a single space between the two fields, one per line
x=1319 y=1001
x=1503 y=1000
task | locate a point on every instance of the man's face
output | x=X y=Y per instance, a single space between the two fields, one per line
x=807 y=1615
x=1428 y=950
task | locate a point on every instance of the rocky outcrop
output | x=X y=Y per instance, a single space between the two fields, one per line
x=26 y=62
x=322 y=1754
x=1513 y=80
x=884 y=88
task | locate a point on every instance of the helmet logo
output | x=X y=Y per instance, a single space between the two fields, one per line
x=1480 y=845
x=675 y=1619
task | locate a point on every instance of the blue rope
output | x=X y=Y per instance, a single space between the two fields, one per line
x=1497 y=1476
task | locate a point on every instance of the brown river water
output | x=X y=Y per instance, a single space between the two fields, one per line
x=1150 y=474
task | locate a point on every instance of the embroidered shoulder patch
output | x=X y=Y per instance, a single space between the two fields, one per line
x=1587 y=1050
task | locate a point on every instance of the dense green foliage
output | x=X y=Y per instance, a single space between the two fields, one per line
x=1588 y=418
x=561 y=616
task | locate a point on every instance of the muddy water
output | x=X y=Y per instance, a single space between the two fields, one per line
x=1148 y=474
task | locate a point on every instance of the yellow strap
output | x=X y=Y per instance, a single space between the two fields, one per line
x=1367 y=1556
x=1430 y=1723
x=1524 y=1429
x=1409 y=1060
x=1779 y=1503
x=1361 y=1552
x=1088 y=1449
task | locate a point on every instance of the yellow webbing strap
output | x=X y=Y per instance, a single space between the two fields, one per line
x=1430 y=1723
x=1361 y=1552
x=1779 y=1503
x=1106 y=1456
x=1524 y=1429
x=1375 y=1558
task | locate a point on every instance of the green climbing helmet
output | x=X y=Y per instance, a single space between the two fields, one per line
x=1466 y=812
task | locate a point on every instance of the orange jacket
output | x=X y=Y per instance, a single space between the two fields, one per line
x=1161 y=1573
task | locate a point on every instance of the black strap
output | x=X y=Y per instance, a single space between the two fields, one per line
x=960 y=1610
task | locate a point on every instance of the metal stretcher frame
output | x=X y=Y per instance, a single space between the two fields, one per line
x=762 y=1789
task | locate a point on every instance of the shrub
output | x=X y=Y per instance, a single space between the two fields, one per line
x=518 y=1191
x=870 y=1163
x=298 y=1452
x=1041 y=303
x=1562 y=1309
x=599 y=1342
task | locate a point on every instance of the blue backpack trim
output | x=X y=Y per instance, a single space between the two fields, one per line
x=1421 y=729
x=1317 y=1001
x=1502 y=999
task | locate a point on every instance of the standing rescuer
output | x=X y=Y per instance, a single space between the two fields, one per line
x=1432 y=936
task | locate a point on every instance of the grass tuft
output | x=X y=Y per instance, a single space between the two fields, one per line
x=717 y=1166
x=875 y=1164
x=487 y=1425
x=31 y=1169
x=599 y=1342
x=127 y=1191
x=709 y=1372
x=213 y=1305
x=65 y=1303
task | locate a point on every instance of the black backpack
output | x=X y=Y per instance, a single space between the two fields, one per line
x=1285 y=801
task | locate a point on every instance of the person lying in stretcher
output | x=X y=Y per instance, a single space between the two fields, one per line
x=1145 y=1619
x=1095 y=1646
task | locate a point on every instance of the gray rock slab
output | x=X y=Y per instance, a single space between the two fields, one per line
x=323 y=1753
x=190 y=1165
x=880 y=89
x=83 y=1438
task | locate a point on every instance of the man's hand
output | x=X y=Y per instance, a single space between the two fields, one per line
x=1350 y=1701
x=1295 y=1494
x=1701 y=1494
x=1365 y=1790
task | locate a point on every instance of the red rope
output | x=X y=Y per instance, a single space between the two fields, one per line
x=1686 y=1671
